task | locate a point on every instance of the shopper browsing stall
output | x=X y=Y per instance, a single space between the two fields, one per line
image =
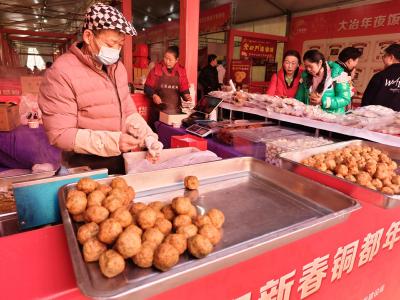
x=384 y=87
x=208 y=78
x=348 y=60
x=285 y=83
x=87 y=109
x=166 y=84
x=323 y=83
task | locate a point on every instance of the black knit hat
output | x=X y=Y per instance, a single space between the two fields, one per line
x=101 y=16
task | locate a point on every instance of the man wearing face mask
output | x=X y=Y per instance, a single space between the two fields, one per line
x=87 y=109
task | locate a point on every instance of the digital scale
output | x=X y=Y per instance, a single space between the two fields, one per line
x=198 y=130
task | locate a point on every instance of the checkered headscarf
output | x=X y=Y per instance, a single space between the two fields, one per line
x=101 y=16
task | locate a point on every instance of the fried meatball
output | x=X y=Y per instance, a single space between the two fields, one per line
x=111 y=263
x=212 y=233
x=200 y=221
x=87 y=231
x=109 y=231
x=387 y=190
x=92 y=250
x=123 y=216
x=79 y=218
x=130 y=192
x=76 y=202
x=163 y=225
x=179 y=241
x=165 y=257
x=156 y=205
x=96 y=214
x=86 y=185
x=128 y=243
x=144 y=258
x=381 y=171
x=187 y=230
x=104 y=188
x=118 y=182
x=331 y=164
x=392 y=166
x=181 y=205
x=321 y=166
x=217 y=217
x=191 y=182
x=136 y=207
x=340 y=176
x=95 y=198
x=153 y=235
x=160 y=215
x=146 y=218
x=192 y=212
x=199 y=246
x=342 y=170
x=363 y=178
x=112 y=203
x=121 y=194
x=396 y=179
x=137 y=230
x=377 y=183
x=350 y=178
x=353 y=170
x=182 y=220
x=370 y=167
x=384 y=158
x=168 y=212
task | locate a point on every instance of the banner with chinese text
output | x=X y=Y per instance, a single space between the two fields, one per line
x=258 y=48
x=240 y=72
x=370 y=28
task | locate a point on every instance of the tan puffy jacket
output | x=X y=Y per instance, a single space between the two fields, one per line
x=86 y=109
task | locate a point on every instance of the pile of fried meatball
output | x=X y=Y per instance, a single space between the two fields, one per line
x=153 y=234
x=364 y=165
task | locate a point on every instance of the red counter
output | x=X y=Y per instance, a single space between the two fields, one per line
x=358 y=259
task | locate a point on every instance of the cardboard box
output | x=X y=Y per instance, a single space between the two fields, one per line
x=172 y=119
x=188 y=140
x=30 y=84
x=9 y=116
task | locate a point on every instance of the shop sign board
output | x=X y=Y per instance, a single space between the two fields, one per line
x=240 y=72
x=258 y=48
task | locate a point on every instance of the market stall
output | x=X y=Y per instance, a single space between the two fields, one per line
x=305 y=217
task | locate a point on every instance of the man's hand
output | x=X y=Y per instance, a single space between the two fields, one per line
x=156 y=99
x=128 y=143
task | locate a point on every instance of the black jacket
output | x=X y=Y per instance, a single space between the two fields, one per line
x=208 y=78
x=384 y=88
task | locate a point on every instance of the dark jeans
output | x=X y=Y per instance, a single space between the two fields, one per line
x=114 y=164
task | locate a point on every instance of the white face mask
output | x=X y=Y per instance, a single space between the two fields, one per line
x=108 y=56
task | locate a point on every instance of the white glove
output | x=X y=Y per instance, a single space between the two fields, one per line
x=153 y=146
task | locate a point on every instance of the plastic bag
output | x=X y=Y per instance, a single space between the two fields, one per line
x=29 y=109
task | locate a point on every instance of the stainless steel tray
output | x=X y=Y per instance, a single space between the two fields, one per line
x=265 y=207
x=291 y=161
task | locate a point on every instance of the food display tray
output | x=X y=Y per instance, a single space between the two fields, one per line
x=292 y=162
x=265 y=207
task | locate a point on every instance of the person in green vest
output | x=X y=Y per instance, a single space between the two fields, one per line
x=323 y=83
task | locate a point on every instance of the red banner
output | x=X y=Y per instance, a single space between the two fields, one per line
x=240 y=72
x=211 y=20
x=373 y=19
x=258 y=48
